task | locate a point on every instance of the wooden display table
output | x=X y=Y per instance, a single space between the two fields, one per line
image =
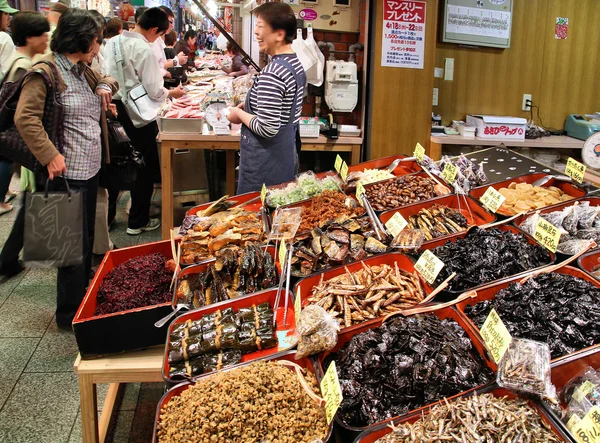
x=230 y=144
x=132 y=367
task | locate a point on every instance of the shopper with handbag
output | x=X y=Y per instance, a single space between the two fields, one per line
x=130 y=59
x=84 y=97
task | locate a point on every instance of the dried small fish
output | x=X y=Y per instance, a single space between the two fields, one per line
x=476 y=419
x=371 y=292
x=437 y=221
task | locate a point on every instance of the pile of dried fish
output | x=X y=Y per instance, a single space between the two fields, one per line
x=334 y=245
x=208 y=234
x=329 y=206
x=371 y=292
x=235 y=272
x=438 y=221
x=476 y=419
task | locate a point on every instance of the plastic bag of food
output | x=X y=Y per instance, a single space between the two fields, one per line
x=310 y=184
x=585 y=384
x=571 y=220
x=588 y=234
x=276 y=198
x=525 y=367
x=587 y=215
x=331 y=183
x=481 y=176
x=572 y=247
x=557 y=218
x=529 y=224
x=408 y=241
x=318 y=331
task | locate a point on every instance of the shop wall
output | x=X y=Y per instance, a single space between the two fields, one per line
x=561 y=75
x=338 y=19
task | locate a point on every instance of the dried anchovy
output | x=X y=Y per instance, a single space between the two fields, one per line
x=368 y=293
x=476 y=419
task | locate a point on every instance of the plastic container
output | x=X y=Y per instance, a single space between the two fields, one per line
x=304 y=287
x=372 y=435
x=588 y=262
x=180 y=125
x=490 y=293
x=177 y=390
x=285 y=333
x=435 y=243
x=351 y=432
x=568 y=188
x=320 y=176
x=476 y=214
x=403 y=168
x=249 y=201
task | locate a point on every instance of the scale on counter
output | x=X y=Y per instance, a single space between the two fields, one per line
x=590 y=153
x=215 y=116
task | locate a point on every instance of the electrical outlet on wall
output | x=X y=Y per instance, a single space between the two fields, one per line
x=526 y=105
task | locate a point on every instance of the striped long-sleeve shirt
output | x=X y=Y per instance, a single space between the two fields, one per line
x=273 y=95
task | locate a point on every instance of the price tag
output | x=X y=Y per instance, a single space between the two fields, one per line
x=297 y=307
x=419 y=152
x=429 y=266
x=495 y=335
x=332 y=392
x=583 y=390
x=338 y=163
x=587 y=429
x=263 y=193
x=492 y=199
x=575 y=170
x=282 y=254
x=360 y=190
x=344 y=171
x=449 y=173
x=396 y=224
x=547 y=234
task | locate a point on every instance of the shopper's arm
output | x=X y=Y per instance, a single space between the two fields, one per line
x=150 y=75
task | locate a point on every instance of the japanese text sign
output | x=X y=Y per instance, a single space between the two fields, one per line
x=495 y=335
x=575 y=170
x=332 y=392
x=492 y=199
x=403 y=36
x=547 y=234
x=429 y=266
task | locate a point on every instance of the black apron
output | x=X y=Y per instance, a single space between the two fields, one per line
x=269 y=160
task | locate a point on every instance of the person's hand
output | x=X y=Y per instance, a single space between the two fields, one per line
x=57 y=166
x=106 y=97
x=169 y=64
x=177 y=92
x=233 y=115
x=231 y=74
x=241 y=106
x=182 y=58
x=112 y=109
x=168 y=75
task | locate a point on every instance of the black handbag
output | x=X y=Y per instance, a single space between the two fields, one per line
x=12 y=145
x=125 y=161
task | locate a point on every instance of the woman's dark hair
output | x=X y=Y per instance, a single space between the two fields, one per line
x=190 y=33
x=28 y=24
x=170 y=38
x=114 y=27
x=234 y=49
x=279 y=16
x=154 y=18
x=77 y=29
x=167 y=11
x=101 y=23
x=139 y=11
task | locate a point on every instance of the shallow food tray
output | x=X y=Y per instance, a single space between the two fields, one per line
x=588 y=262
x=286 y=337
x=568 y=188
x=489 y=293
x=177 y=390
x=180 y=125
x=403 y=168
x=435 y=243
x=249 y=201
x=346 y=336
x=111 y=333
x=304 y=287
x=474 y=212
x=379 y=431
x=201 y=267
x=319 y=175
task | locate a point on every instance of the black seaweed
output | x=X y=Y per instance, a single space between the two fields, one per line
x=487 y=255
x=558 y=309
x=403 y=365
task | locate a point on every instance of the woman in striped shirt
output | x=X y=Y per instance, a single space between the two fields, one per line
x=273 y=105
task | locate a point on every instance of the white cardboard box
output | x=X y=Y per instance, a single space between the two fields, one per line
x=498 y=127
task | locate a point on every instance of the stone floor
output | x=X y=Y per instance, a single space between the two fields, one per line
x=39 y=396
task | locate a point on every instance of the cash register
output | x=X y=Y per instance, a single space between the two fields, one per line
x=582 y=127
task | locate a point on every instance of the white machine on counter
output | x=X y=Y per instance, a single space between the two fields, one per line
x=341 y=86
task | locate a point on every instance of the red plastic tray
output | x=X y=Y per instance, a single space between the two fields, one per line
x=439 y=242
x=402 y=169
x=250 y=201
x=304 y=287
x=346 y=336
x=371 y=435
x=201 y=267
x=285 y=334
x=490 y=293
x=568 y=188
x=177 y=390
x=588 y=262
x=107 y=334
x=477 y=215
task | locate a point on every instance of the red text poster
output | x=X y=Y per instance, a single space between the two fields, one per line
x=403 y=36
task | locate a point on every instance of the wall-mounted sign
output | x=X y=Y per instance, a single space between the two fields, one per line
x=308 y=14
x=403 y=36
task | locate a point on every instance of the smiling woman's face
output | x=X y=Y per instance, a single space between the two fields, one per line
x=268 y=39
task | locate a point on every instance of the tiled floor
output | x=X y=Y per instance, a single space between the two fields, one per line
x=39 y=396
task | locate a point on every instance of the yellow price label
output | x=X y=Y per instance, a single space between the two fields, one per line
x=575 y=170
x=419 y=152
x=263 y=193
x=583 y=390
x=449 y=173
x=344 y=171
x=587 y=429
x=297 y=307
x=396 y=224
x=495 y=335
x=429 y=266
x=338 y=163
x=547 y=234
x=492 y=199
x=360 y=191
x=331 y=391
x=282 y=254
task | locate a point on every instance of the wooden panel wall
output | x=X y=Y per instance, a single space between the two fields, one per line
x=561 y=75
x=401 y=98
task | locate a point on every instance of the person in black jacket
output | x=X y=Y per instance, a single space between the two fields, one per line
x=184 y=45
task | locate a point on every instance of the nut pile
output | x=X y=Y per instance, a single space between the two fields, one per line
x=261 y=402
x=402 y=191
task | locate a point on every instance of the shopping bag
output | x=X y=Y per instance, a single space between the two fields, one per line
x=53 y=228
